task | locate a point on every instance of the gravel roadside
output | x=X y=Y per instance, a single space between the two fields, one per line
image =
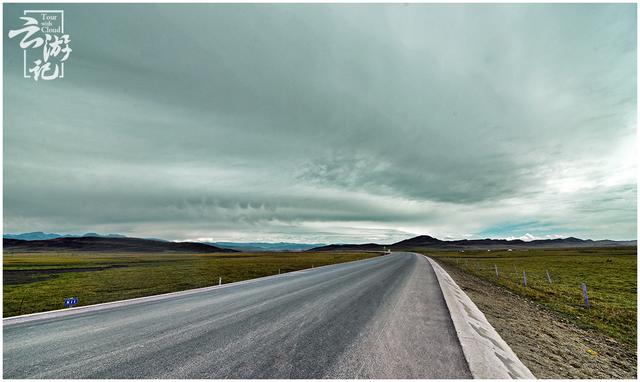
x=549 y=345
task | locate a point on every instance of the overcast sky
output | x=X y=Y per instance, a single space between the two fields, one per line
x=327 y=123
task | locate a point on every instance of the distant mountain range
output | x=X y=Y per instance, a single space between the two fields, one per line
x=244 y=247
x=47 y=236
x=108 y=244
x=248 y=247
x=41 y=241
x=425 y=241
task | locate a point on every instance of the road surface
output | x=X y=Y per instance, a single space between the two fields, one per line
x=378 y=318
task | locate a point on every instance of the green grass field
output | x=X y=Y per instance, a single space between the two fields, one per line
x=610 y=275
x=46 y=279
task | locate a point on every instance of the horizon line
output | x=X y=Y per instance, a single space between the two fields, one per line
x=113 y=235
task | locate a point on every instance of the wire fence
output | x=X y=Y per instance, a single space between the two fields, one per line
x=516 y=275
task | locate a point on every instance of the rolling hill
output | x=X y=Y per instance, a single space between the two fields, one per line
x=265 y=247
x=108 y=244
x=425 y=241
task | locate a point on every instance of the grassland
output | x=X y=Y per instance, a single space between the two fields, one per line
x=36 y=282
x=610 y=275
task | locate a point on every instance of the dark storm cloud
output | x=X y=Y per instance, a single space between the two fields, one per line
x=308 y=121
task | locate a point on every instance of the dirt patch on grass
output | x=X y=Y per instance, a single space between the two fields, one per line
x=548 y=344
x=26 y=276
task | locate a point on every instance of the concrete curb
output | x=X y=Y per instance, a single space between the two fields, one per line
x=140 y=300
x=488 y=355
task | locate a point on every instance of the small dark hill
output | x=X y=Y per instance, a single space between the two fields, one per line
x=348 y=247
x=418 y=241
x=108 y=244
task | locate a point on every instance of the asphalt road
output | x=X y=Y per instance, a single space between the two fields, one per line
x=379 y=318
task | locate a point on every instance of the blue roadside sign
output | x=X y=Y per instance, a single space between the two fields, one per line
x=70 y=301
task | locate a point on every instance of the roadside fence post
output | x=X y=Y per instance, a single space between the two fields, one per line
x=548 y=276
x=220 y=280
x=496 y=268
x=20 y=308
x=524 y=278
x=585 y=295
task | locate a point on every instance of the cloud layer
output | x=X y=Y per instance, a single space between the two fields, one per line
x=328 y=123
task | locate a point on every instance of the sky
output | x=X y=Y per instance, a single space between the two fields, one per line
x=327 y=123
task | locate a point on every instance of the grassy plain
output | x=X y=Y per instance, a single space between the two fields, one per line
x=36 y=282
x=609 y=273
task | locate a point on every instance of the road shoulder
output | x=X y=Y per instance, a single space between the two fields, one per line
x=550 y=346
x=488 y=355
